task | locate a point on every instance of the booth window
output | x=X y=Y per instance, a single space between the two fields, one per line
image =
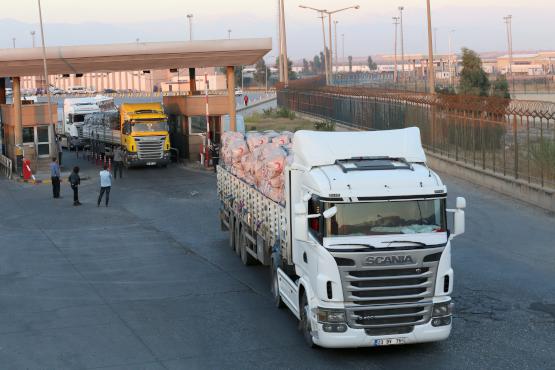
x=29 y=135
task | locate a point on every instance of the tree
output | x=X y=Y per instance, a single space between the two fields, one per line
x=261 y=72
x=501 y=87
x=474 y=81
x=317 y=65
x=371 y=65
x=306 y=67
x=292 y=75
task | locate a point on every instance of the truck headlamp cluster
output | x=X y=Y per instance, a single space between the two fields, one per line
x=332 y=320
x=441 y=314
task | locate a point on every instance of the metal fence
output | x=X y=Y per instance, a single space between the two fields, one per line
x=6 y=166
x=510 y=137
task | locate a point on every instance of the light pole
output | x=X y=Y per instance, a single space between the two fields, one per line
x=431 y=69
x=328 y=64
x=435 y=40
x=402 y=44
x=343 y=47
x=33 y=37
x=229 y=34
x=396 y=23
x=335 y=41
x=45 y=68
x=13 y=42
x=190 y=18
x=508 y=21
x=451 y=72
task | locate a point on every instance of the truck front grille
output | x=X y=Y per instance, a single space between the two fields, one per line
x=150 y=147
x=392 y=298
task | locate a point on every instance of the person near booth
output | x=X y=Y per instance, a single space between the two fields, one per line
x=55 y=177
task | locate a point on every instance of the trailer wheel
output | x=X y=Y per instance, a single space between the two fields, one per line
x=304 y=324
x=246 y=258
x=231 y=232
x=274 y=287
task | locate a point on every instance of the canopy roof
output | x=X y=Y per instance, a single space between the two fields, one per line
x=313 y=148
x=132 y=56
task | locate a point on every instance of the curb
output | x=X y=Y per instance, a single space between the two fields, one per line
x=47 y=181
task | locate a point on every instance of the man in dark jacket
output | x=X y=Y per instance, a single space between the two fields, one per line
x=75 y=181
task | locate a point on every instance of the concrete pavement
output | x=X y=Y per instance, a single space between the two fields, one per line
x=150 y=283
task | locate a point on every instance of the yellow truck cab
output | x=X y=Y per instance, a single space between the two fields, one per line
x=144 y=134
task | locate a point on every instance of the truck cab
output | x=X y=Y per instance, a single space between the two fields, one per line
x=144 y=134
x=370 y=256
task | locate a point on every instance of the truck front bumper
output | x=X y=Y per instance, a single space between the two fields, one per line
x=353 y=338
x=148 y=162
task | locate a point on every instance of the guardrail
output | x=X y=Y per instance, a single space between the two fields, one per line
x=6 y=166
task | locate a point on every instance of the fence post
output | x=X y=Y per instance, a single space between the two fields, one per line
x=515 y=143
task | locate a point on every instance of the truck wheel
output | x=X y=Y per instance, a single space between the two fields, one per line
x=274 y=287
x=231 y=233
x=304 y=324
x=246 y=258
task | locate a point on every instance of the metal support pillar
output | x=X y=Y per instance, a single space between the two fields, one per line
x=192 y=81
x=231 y=98
x=18 y=126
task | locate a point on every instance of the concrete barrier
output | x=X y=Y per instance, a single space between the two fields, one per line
x=515 y=188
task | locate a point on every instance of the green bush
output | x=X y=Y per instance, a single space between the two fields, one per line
x=543 y=153
x=324 y=126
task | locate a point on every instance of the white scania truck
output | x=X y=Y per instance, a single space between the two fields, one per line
x=360 y=251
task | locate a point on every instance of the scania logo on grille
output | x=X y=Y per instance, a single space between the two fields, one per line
x=388 y=260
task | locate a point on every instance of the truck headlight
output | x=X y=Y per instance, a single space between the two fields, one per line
x=442 y=309
x=328 y=315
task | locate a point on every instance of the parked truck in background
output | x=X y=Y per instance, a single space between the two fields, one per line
x=141 y=129
x=360 y=250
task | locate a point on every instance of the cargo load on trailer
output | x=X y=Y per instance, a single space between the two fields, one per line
x=353 y=226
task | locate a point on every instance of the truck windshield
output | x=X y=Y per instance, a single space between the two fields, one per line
x=149 y=126
x=381 y=218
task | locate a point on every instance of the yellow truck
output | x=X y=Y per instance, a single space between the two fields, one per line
x=140 y=128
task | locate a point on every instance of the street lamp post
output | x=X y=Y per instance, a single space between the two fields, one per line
x=229 y=34
x=343 y=47
x=451 y=71
x=284 y=61
x=45 y=69
x=396 y=23
x=13 y=42
x=402 y=44
x=508 y=21
x=328 y=64
x=335 y=31
x=33 y=37
x=431 y=69
x=190 y=18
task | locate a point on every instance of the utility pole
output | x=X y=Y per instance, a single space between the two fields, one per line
x=325 y=51
x=283 y=58
x=396 y=23
x=331 y=49
x=47 y=85
x=431 y=69
x=33 y=37
x=335 y=31
x=452 y=71
x=343 y=47
x=508 y=21
x=402 y=44
x=229 y=34
x=190 y=18
x=13 y=41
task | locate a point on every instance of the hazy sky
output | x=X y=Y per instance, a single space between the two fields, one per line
x=478 y=24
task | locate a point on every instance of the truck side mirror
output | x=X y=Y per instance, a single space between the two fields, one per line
x=458 y=217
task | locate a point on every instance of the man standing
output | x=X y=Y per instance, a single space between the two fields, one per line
x=60 y=150
x=55 y=177
x=118 y=162
x=246 y=99
x=105 y=185
x=75 y=181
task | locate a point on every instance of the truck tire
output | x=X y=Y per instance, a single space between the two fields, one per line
x=246 y=257
x=274 y=284
x=304 y=324
x=231 y=232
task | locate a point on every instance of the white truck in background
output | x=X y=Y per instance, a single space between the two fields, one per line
x=74 y=113
x=360 y=251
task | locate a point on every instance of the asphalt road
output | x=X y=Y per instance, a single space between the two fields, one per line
x=150 y=283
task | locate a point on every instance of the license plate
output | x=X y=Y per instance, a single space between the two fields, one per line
x=388 y=342
x=151 y=163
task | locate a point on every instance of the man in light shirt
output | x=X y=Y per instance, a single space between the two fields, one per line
x=55 y=177
x=118 y=162
x=105 y=185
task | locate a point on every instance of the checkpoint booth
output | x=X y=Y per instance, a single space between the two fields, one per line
x=38 y=136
